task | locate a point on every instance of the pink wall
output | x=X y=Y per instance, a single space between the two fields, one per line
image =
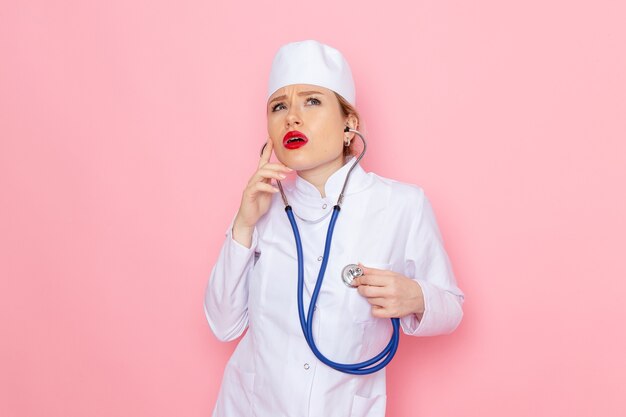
x=128 y=129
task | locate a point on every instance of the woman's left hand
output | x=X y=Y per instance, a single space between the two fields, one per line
x=389 y=293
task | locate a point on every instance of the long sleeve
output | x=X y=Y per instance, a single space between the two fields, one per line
x=427 y=263
x=226 y=295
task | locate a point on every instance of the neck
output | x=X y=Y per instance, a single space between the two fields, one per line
x=320 y=174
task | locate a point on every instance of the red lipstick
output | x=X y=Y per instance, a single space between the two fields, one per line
x=294 y=140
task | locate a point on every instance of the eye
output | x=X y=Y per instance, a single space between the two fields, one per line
x=313 y=99
x=275 y=107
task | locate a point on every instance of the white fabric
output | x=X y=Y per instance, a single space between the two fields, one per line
x=384 y=224
x=311 y=62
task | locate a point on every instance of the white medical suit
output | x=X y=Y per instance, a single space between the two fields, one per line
x=383 y=224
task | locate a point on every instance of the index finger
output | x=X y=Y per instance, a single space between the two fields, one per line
x=373 y=280
x=267 y=153
x=368 y=270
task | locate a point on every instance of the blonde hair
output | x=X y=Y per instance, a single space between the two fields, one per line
x=347 y=109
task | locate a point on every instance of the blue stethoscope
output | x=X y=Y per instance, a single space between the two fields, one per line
x=350 y=272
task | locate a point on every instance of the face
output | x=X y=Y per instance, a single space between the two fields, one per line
x=315 y=113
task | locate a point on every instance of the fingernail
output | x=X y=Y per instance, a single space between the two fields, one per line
x=283 y=176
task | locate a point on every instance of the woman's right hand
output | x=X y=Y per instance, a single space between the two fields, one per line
x=257 y=196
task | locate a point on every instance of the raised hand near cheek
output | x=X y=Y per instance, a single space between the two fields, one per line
x=257 y=195
x=390 y=294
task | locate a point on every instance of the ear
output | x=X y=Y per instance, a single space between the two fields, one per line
x=353 y=122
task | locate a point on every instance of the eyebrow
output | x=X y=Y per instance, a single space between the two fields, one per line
x=302 y=93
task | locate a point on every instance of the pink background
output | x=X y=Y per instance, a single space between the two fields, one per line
x=128 y=129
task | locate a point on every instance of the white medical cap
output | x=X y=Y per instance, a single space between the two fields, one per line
x=311 y=62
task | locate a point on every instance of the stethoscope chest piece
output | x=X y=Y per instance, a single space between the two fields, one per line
x=349 y=273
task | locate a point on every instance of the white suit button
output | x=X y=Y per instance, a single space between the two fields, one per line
x=324 y=206
x=306 y=366
x=319 y=258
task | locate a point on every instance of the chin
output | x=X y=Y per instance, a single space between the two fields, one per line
x=304 y=162
x=298 y=163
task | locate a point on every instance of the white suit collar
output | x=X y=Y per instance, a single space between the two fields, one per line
x=309 y=205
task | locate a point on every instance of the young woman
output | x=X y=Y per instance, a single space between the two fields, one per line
x=385 y=226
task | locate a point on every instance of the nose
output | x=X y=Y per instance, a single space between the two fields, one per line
x=293 y=117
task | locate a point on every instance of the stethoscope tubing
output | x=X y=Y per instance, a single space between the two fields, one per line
x=306 y=322
x=379 y=361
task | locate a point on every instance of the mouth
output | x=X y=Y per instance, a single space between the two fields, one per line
x=294 y=140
